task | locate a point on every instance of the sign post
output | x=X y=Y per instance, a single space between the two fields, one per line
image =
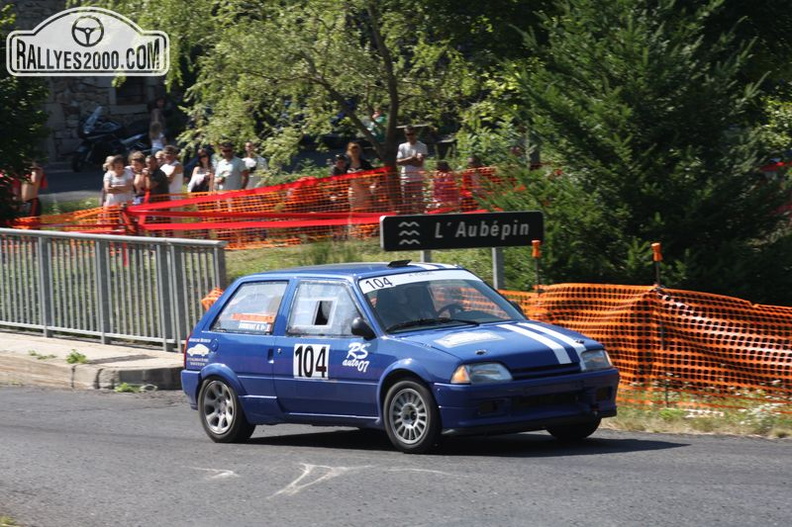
x=424 y=232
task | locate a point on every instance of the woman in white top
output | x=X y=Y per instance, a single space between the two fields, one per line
x=203 y=173
x=118 y=183
x=174 y=170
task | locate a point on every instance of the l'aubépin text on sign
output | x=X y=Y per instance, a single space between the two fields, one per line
x=460 y=231
x=87 y=41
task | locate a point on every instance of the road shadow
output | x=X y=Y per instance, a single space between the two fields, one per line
x=529 y=444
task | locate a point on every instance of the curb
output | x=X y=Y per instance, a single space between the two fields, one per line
x=58 y=373
x=39 y=361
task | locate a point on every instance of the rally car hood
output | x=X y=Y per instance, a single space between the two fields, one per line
x=526 y=344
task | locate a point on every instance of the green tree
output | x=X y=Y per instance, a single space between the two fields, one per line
x=22 y=117
x=655 y=131
x=284 y=70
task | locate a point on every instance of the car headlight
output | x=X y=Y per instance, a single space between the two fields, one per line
x=481 y=373
x=592 y=360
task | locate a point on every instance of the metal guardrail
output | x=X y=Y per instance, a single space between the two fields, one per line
x=112 y=287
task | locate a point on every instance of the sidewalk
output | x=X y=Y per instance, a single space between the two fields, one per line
x=34 y=360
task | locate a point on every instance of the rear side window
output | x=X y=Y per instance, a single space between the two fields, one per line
x=322 y=308
x=252 y=309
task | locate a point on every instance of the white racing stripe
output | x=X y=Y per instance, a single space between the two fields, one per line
x=559 y=350
x=579 y=346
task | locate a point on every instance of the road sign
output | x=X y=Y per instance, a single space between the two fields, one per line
x=460 y=231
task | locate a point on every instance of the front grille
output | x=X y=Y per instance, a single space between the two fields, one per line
x=545 y=371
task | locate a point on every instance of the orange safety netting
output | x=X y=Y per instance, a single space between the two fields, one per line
x=672 y=346
x=309 y=209
x=677 y=346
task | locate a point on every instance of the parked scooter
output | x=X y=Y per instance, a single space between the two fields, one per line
x=103 y=137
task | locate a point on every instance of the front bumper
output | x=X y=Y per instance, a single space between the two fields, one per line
x=533 y=404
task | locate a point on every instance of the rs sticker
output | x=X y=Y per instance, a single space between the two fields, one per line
x=310 y=361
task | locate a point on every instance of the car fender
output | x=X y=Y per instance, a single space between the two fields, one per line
x=408 y=366
x=225 y=373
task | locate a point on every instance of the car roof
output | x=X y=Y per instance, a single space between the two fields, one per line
x=353 y=270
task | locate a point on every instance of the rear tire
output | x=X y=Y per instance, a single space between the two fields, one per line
x=221 y=413
x=412 y=420
x=575 y=432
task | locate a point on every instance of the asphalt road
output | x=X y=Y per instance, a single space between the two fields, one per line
x=98 y=458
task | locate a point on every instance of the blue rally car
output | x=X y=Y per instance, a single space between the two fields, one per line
x=419 y=350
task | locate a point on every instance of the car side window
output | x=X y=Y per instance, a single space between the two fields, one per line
x=322 y=308
x=252 y=309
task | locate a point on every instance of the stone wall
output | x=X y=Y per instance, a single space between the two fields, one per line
x=72 y=98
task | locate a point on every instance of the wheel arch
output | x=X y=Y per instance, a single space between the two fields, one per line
x=223 y=372
x=399 y=372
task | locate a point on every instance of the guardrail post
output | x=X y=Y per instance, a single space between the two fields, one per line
x=164 y=297
x=178 y=294
x=221 y=277
x=45 y=284
x=102 y=249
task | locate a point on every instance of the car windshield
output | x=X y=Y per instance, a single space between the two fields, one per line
x=430 y=299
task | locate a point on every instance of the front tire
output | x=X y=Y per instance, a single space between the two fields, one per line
x=576 y=432
x=412 y=420
x=221 y=413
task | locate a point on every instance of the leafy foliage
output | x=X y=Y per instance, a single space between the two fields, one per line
x=22 y=117
x=654 y=131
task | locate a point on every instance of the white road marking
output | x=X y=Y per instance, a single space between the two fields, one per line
x=218 y=473
x=323 y=472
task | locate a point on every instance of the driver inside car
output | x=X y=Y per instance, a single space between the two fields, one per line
x=400 y=304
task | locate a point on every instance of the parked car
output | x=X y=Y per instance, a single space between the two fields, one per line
x=417 y=350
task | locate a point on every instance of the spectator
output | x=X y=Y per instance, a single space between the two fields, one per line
x=173 y=170
x=203 y=173
x=156 y=137
x=231 y=172
x=445 y=192
x=118 y=183
x=339 y=165
x=360 y=198
x=157 y=187
x=29 y=189
x=355 y=161
x=137 y=163
x=157 y=114
x=256 y=165
x=410 y=158
x=379 y=122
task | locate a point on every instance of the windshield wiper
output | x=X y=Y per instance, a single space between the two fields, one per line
x=428 y=322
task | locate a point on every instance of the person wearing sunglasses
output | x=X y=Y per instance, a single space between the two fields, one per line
x=231 y=172
x=410 y=158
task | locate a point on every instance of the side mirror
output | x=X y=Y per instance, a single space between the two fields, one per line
x=361 y=328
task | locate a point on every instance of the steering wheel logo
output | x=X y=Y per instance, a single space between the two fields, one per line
x=87 y=31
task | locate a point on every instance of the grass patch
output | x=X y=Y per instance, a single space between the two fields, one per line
x=39 y=356
x=62 y=207
x=75 y=357
x=6 y=521
x=125 y=387
x=763 y=420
